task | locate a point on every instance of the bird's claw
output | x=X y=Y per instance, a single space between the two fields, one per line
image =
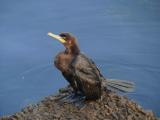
x=73 y=98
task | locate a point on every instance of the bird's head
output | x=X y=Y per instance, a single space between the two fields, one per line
x=68 y=40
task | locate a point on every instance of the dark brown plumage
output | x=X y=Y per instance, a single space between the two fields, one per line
x=78 y=70
x=81 y=72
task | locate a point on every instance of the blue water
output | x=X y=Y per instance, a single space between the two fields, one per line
x=121 y=36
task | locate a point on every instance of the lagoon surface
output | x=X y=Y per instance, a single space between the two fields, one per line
x=121 y=36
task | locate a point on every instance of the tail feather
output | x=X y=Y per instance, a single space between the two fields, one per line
x=120 y=85
x=127 y=84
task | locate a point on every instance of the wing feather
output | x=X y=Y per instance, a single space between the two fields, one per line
x=87 y=76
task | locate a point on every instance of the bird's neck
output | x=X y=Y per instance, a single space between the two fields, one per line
x=73 y=50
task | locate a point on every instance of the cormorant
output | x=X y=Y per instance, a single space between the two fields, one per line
x=81 y=72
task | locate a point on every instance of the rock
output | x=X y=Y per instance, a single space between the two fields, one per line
x=64 y=107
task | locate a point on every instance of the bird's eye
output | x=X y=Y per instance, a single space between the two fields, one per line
x=63 y=36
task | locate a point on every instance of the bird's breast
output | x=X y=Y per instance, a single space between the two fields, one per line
x=62 y=62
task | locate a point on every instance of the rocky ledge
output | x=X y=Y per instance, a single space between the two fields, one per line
x=65 y=106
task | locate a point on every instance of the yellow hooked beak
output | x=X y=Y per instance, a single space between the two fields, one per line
x=59 y=38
